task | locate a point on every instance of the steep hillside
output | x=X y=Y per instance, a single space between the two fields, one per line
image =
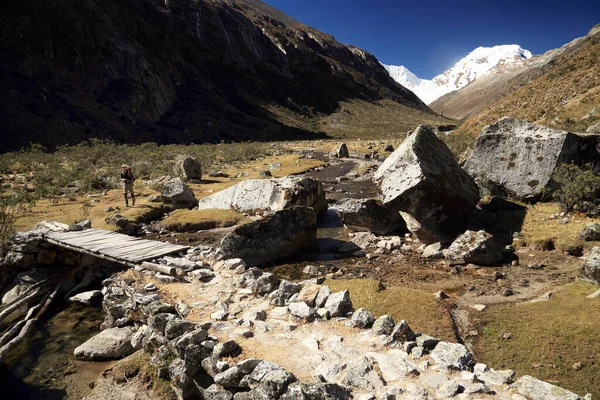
x=190 y=71
x=483 y=92
x=565 y=96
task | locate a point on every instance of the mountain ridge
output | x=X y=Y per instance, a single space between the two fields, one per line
x=134 y=71
x=480 y=62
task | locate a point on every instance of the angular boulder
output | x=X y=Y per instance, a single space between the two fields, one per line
x=189 y=168
x=341 y=151
x=590 y=269
x=479 y=248
x=535 y=389
x=178 y=194
x=110 y=344
x=590 y=233
x=339 y=304
x=274 y=237
x=517 y=158
x=423 y=181
x=451 y=356
x=369 y=215
x=91 y=298
x=268 y=195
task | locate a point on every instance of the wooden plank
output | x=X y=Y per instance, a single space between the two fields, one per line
x=114 y=245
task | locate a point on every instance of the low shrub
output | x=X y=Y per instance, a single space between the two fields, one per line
x=578 y=187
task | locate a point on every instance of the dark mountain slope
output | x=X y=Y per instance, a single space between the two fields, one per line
x=192 y=71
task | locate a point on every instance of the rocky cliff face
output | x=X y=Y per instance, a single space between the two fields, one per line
x=173 y=71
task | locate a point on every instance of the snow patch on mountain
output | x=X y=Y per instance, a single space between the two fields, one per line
x=481 y=61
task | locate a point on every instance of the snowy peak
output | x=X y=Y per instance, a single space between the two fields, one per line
x=481 y=61
x=403 y=76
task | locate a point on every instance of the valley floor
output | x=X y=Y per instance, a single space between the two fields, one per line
x=490 y=309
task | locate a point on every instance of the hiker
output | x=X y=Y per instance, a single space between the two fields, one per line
x=127 y=178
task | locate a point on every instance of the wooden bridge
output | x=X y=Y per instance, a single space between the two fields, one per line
x=112 y=246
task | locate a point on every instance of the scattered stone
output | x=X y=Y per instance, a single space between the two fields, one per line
x=314 y=391
x=189 y=168
x=264 y=173
x=423 y=181
x=590 y=269
x=544 y=297
x=534 y=389
x=178 y=194
x=203 y=275
x=311 y=270
x=388 y=148
x=218 y=174
x=309 y=294
x=427 y=342
x=110 y=344
x=448 y=389
x=125 y=226
x=370 y=215
x=268 y=195
x=341 y=151
x=227 y=349
x=177 y=327
x=497 y=378
x=275 y=166
x=151 y=287
x=394 y=365
x=433 y=380
x=88 y=299
x=434 y=251
x=384 y=325
x=403 y=333
x=276 y=236
x=361 y=318
x=451 y=356
x=478 y=248
x=507 y=292
x=441 y=295
x=158 y=322
x=339 y=304
x=322 y=297
x=300 y=310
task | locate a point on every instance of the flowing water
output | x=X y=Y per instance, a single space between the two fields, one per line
x=43 y=365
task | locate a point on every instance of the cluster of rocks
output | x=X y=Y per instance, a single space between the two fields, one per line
x=398 y=363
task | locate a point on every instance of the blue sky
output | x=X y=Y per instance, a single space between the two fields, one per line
x=428 y=37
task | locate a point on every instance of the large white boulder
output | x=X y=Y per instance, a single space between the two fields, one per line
x=110 y=344
x=270 y=195
x=274 y=237
x=423 y=181
x=517 y=158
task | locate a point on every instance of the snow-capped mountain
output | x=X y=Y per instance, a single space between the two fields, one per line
x=479 y=62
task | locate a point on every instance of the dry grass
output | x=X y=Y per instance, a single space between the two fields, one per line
x=548 y=338
x=359 y=119
x=420 y=309
x=195 y=220
x=538 y=226
x=77 y=207
x=138 y=366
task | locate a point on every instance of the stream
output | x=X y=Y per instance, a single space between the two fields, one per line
x=43 y=365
